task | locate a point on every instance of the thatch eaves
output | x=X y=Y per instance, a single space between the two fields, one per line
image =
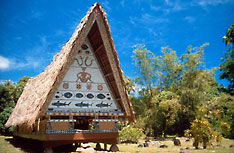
x=40 y=89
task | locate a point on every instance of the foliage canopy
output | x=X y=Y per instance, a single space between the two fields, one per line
x=227 y=67
x=175 y=91
x=9 y=94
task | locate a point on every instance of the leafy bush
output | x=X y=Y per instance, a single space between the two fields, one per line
x=226 y=128
x=130 y=134
x=9 y=94
x=201 y=131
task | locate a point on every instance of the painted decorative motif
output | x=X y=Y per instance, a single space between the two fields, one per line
x=101 y=96
x=84 y=76
x=101 y=105
x=91 y=61
x=108 y=96
x=65 y=85
x=83 y=88
x=89 y=86
x=100 y=87
x=79 y=95
x=57 y=95
x=87 y=52
x=78 y=86
x=68 y=95
x=82 y=104
x=84 y=46
x=79 y=60
x=87 y=61
x=90 y=96
x=58 y=104
x=80 y=51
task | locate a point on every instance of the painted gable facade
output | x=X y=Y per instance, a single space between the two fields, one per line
x=84 y=88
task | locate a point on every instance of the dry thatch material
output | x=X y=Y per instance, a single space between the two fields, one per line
x=40 y=90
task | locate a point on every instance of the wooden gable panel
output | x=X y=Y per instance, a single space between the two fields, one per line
x=101 y=55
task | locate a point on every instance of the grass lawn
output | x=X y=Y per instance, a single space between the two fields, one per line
x=223 y=148
x=6 y=146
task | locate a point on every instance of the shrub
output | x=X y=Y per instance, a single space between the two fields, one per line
x=201 y=131
x=226 y=128
x=130 y=134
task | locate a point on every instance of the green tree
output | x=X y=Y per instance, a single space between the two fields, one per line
x=174 y=91
x=164 y=114
x=193 y=86
x=7 y=103
x=170 y=68
x=226 y=115
x=9 y=94
x=130 y=85
x=147 y=67
x=227 y=67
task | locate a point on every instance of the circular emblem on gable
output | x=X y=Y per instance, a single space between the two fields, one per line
x=100 y=87
x=84 y=46
x=89 y=86
x=65 y=85
x=79 y=51
x=78 y=86
x=87 y=52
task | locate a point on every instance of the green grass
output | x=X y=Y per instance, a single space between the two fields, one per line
x=7 y=147
x=132 y=148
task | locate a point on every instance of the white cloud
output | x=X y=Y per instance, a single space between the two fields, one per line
x=29 y=62
x=190 y=19
x=170 y=6
x=166 y=1
x=4 y=63
x=35 y=14
x=152 y=19
x=35 y=58
x=155 y=8
x=205 y=3
x=177 y=6
x=122 y=2
x=148 y=19
x=12 y=64
x=106 y=5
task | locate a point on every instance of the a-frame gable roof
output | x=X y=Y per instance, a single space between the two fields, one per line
x=40 y=90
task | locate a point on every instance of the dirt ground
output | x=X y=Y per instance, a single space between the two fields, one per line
x=9 y=145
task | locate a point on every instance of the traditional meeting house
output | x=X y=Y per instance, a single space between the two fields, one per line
x=81 y=95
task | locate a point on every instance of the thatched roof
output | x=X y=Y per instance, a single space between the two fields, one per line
x=40 y=89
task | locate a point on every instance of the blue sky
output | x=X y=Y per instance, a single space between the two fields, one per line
x=32 y=32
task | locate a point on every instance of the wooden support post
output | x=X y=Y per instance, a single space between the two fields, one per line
x=98 y=147
x=105 y=146
x=70 y=117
